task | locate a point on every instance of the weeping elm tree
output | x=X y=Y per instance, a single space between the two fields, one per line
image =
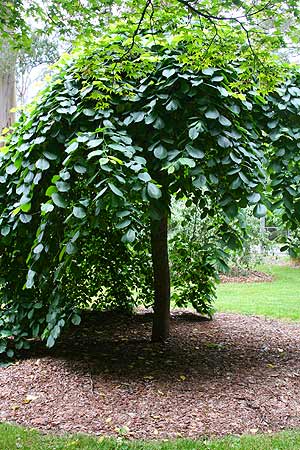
x=88 y=175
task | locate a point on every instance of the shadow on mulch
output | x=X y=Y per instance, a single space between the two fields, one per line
x=119 y=347
x=234 y=374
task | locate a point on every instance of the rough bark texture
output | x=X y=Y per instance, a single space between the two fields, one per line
x=7 y=97
x=160 y=258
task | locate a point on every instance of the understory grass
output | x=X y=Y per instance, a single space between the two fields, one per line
x=278 y=299
x=13 y=438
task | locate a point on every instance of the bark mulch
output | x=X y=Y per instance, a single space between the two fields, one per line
x=250 y=276
x=235 y=374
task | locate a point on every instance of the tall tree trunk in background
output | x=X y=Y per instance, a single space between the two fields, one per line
x=7 y=85
x=7 y=96
x=160 y=258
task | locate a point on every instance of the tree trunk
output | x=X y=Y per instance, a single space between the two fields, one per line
x=7 y=97
x=160 y=258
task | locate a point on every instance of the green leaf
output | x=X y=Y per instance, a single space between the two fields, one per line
x=153 y=191
x=76 y=319
x=236 y=183
x=224 y=142
x=103 y=162
x=235 y=158
x=58 y=200
x=5 y=230
x=194 y=133
x=79 y=169
x=72 y=109
x=11 y=169
x=25 y=218
x=144 y=176
x=124 y=213
x=70 y=248
x=83 y=138
x=138 y=116
x=129 y=236
x=5 y=333
x=62 y=186
x=64 y=175
x=217 y=78
x=235 y=109
x=72 y=147
x=51 y=190
x=173 y=105
x=223 y=91
x=10 y=353
x=42 y=164
x=212 y=113
x=224 y=121
x=260 y=210
x=187 y=162
x=75 y=236
x=118 y=147
x=160 y=152
x=209 y=71
x=95 y=153
x=2 y=363
x=89 y=112
x=200 y=182
x=194 y=152
x=115 y=190
x=284 y=248
x=213 y=178
x=159 y=124
x=167 y=73
x=79 y=212
x=231 y=210
x=30 y=279
x=3 y=346
x=123 y=224
x=38 y=249
x=273 y=124
x=94 y=143
x=50 y=156
x=26 y=206
x=50 y=341
x=254 y=198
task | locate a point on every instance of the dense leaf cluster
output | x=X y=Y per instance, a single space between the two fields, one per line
x=113 y=137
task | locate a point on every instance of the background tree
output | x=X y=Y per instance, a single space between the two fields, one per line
x=7 y=85
x=23 y=28
x=38 y=57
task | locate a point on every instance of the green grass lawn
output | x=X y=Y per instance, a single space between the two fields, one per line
x=13 y=438
x=279 y=299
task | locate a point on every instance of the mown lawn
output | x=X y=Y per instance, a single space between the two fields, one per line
x=279 y=299
x=13 y=438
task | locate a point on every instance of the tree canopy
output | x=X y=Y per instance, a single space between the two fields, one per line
x=127 y=123
x=277 y=20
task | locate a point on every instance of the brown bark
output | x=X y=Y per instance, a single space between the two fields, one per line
x=160 y=258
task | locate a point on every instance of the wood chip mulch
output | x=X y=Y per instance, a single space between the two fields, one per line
x=235 y=374
x=251 y=276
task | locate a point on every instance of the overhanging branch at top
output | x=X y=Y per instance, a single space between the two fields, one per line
x=206 y=15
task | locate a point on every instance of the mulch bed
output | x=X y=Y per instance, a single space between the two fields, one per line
x=250 y=276
x=235 y=374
